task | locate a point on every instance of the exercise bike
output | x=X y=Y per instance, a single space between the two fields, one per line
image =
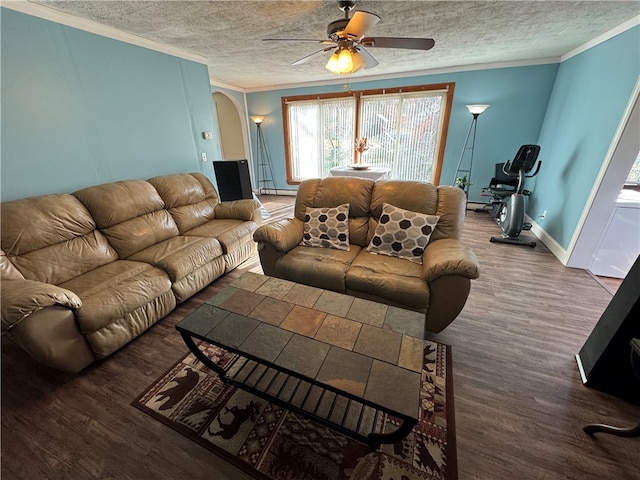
x=510 y=210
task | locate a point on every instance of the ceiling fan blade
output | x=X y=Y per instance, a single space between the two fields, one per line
x=359 y=24
x=397 y=42
x=308 y=57
x=324 y=42
x=368 y=58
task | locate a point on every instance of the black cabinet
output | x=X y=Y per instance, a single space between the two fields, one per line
x=233 y=179
x=604 y=359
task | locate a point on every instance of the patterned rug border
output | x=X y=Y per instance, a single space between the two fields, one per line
x=188 y=434
x=451 y=447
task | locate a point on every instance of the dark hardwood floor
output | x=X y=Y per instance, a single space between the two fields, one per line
x=519 y=401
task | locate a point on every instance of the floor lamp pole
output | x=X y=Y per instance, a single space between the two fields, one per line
x=265 y=170
x=475 y=110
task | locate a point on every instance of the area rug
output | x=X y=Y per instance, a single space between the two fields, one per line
x=271 y=443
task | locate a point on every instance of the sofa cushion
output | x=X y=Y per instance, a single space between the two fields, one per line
x=140 y=219
x=8 y=270
x=402 y=233
x=394 y=279
x=334 y=191
x=112 y=291
x=229 y=232
x=190 y=198
x=179 y=256
x=320 y=267
x=445 y=201
x=327 y=227
x=52 y=238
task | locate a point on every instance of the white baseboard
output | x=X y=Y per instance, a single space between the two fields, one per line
x=581 y=368
x=549 y=241
x=291 y=193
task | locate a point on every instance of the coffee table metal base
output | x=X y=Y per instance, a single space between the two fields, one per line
x=339 y=410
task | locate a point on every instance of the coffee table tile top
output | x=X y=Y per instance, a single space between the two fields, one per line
x=405 y=321
x=379 y=343
x=366 y=311
x=303 y=355
x=339 y=331
x=272 y=310
x=275 y=287
x=345 y=370
x=251 y=281
x=334 y=303
x=304 y=321
x=356 y=345
x=222 y=297
x=242 y=302
x=411 y=353
x=233 y=330
x=382 y=388
x=203 y=319
x=266 y=342
x=303 y=295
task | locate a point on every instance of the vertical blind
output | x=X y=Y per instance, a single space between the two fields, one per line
x=404 y=131
x=321 y=135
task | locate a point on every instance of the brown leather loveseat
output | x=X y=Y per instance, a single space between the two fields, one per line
x=85 y=273
x=436 y=282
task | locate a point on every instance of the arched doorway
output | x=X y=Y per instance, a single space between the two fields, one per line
x=232 y=134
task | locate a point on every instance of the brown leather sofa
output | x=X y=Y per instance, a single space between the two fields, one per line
x=85 y=273
x=438 y=287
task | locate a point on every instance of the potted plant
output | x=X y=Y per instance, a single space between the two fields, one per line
x=462 y=182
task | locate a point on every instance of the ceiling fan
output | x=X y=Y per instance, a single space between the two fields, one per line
x=347 y=39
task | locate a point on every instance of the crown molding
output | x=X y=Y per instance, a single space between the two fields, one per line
x=46 y=13
x=414 y=73
x=623 y=27
x=215 y=83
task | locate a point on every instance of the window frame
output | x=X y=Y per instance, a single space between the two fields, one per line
x=448 y=88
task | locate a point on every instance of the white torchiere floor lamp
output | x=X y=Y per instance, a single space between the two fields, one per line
x=464 y=181
x=265 y=170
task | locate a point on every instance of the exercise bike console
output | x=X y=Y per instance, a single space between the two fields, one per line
x=510 y=213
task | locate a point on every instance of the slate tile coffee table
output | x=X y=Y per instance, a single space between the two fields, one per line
x=334 y=358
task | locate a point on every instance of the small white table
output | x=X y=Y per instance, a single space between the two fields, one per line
x=372 y=173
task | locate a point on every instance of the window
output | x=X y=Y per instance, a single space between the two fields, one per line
x=634 y=174
x=406 y=129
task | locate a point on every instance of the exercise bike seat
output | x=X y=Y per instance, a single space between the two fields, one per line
x=501 y=185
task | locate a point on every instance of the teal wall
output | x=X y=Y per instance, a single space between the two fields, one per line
x=589 y=97
x=80 y=109
x=518 y=97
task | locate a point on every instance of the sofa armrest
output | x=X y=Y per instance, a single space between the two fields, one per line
x=283 y=235
x=449 y=256
x=247 y=209
x=21 y=298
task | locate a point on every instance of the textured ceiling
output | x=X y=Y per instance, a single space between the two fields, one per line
x=229 y=33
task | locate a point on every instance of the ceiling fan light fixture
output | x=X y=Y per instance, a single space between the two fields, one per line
x=332 y=64
x=345 y=61
x=358 y=61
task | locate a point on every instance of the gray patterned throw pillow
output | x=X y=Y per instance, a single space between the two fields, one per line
x=327 y=227
x=402 y=233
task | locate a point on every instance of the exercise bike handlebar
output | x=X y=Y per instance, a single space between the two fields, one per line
x=521 y=173
x=507 y=169
x=537 y=170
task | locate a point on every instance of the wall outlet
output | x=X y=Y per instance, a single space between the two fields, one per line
x=544 y=215
x=203 y=155
x=207 y=135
